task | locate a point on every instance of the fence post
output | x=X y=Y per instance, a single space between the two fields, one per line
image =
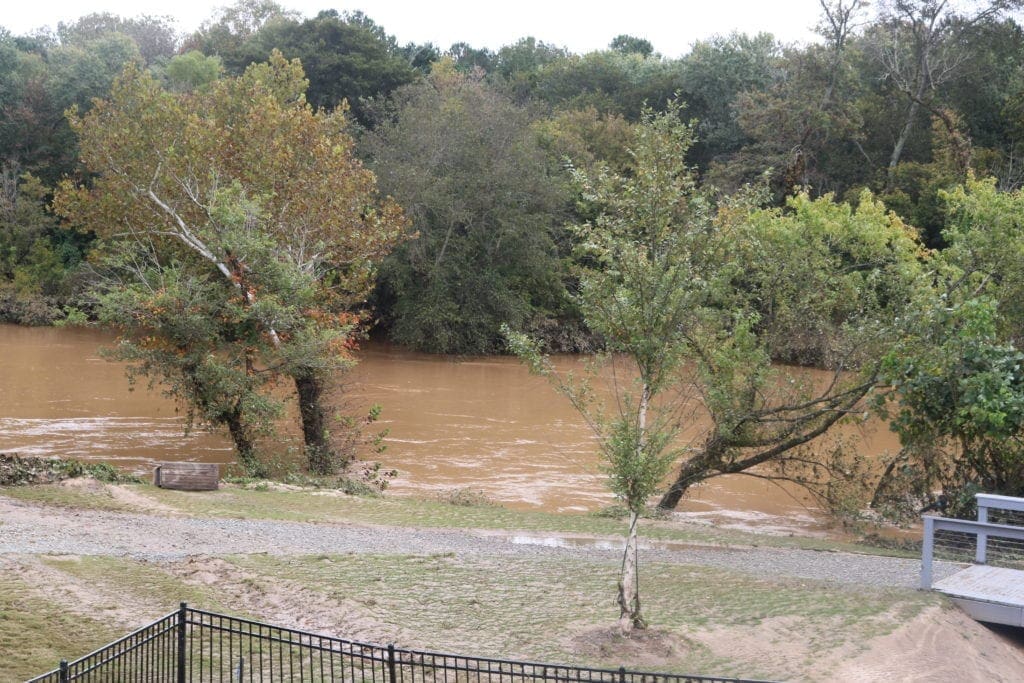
x=982 y=548
x=64 y=675
x=927 y=550
x=391 y=663
x=622 y=674
x=182 y=625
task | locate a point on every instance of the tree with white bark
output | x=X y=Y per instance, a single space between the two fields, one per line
x=641 y=258
x=922 y=46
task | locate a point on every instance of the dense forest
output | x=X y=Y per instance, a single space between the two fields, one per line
x=880 y=165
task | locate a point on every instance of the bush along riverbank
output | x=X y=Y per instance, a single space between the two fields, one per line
x=16 y=470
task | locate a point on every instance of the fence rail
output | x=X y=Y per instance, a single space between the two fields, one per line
x=996 y=538
x=192 y=645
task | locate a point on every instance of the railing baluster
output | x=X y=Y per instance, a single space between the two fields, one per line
x=182 y=626
x=982 y=546
x=927 y=550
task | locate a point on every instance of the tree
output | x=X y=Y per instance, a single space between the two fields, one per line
x=820 y=284
x=611 y=81
x=181 y=325
x=645 y=245
x=923 y=46
x=957 y=399
x=465 y=162
x=985 y=238
x=628 y=44
x=192 y=70
x=226 y=33
x=712 y=76
x=468 y=59
x=586 y=137
x=39 y=79
x=958 y=395
x=184 y=171
x=35 y=273
x=806 y=114
x=346 y=58
x=154 y=36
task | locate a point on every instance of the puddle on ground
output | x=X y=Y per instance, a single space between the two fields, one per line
x=591 y=543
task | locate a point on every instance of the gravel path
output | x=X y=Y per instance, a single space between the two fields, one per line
x=36 y=529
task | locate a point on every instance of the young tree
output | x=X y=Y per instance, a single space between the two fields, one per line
x=673 y=282
x=228 y=173
x=641 y=254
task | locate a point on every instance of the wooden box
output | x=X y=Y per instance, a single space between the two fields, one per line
x=187 y=476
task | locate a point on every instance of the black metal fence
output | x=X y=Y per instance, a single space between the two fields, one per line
x=191 y=645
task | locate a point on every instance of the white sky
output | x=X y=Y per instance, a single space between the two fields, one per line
x=580 y=25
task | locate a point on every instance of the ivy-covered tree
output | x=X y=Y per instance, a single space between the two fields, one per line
x=180 y=325
x=195 y=173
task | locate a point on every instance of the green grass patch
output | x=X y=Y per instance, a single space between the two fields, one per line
x=139 y=583
x=534 y=608
x=58 y=495
x=35 y=633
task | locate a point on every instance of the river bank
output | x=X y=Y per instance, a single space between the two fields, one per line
x=481 y=580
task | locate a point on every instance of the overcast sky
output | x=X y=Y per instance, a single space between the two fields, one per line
x=580 y=25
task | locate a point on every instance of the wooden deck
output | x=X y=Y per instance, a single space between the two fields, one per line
x=987 y=593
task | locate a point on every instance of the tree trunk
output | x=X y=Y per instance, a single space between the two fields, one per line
x=692 y=471
x=244 y=444
x=901 y=141
x=629 y=583
x=319 y=454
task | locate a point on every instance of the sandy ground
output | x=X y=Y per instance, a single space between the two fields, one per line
x=939 y=644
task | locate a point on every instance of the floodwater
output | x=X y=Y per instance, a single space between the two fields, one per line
x=482 y=423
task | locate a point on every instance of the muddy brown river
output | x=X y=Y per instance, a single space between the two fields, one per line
x=481 y=423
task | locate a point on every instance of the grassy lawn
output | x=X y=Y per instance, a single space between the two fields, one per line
x=544 y=609
x=36 y=633
x=539 y=609
x=706 y=621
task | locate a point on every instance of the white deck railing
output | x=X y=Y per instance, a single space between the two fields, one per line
x=981 y=529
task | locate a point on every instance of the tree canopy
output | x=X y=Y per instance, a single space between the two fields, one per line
x=247 y=180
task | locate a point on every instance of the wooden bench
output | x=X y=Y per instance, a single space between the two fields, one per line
x=187 y=476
